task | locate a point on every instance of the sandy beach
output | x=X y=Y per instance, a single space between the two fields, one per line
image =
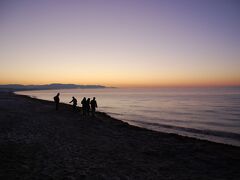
x=37 y=142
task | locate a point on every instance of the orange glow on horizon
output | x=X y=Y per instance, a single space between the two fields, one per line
x=131 y=84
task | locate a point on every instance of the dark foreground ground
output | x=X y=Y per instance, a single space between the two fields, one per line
x=36 y=142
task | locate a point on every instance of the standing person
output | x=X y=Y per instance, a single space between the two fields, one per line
x=56 y=100
x=88 y=106
x=93 y=106
x=84 y=103
x=74 y=101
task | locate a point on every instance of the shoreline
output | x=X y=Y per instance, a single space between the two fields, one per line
x=36 y=142
x=212 y=138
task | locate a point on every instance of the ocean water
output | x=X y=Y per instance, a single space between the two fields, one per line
x=204 y=113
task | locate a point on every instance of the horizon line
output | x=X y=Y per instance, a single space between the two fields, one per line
x=134 y=86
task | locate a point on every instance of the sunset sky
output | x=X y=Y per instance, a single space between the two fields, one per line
x=123 y=43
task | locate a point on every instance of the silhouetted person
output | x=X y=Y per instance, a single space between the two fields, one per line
x=93 y=106
x=74 y=101
x=56 y=100
x=88 y=106
x=84 y=104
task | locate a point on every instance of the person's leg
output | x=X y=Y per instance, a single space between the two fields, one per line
x=84 y=111
x=93 y=112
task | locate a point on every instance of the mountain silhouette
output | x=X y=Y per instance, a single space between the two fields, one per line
x=19 y=87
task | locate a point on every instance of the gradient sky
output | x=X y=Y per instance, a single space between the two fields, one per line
x=120 y=42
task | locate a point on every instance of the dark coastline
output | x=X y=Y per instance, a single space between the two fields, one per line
x=36 y=142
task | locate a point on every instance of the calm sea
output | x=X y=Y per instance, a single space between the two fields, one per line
x=204 y=113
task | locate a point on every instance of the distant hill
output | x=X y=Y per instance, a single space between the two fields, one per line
x=19 y=87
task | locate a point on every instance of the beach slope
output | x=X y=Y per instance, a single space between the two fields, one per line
x=37 y=142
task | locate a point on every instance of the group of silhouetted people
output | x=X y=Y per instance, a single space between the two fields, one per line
x=87 y=104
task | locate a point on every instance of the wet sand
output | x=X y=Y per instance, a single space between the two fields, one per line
x=37 y=142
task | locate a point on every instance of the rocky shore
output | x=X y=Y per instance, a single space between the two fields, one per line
x=37 y=142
